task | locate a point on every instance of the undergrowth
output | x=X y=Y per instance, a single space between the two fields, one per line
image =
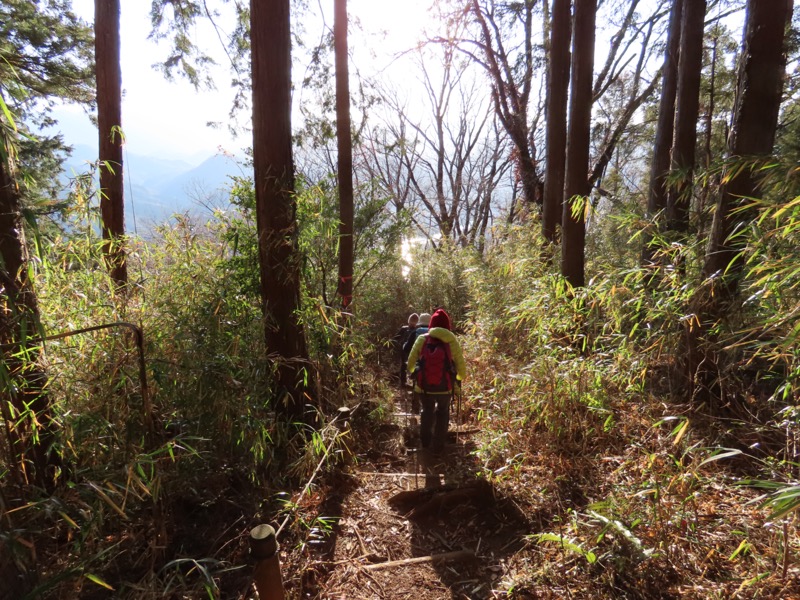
x=154 y=504
x=588 y=416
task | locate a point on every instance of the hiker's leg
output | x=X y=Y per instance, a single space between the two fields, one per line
x=442 y=421
x=402 y=372
x=427 y=419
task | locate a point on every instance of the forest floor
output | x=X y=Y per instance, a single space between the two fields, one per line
x=403 y=524
x=515 y=509
x=416 y=525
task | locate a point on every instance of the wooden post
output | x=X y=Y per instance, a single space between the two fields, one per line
x=267 y=573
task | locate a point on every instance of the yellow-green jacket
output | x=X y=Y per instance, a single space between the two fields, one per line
x=447 y=336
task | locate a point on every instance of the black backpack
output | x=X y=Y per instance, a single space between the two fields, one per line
x=412 y=337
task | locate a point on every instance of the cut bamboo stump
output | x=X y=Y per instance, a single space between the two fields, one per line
x=267 y=573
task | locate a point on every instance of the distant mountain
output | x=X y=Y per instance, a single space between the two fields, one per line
x=211 y=176
x=156 y=188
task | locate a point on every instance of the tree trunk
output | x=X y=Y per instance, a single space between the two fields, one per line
x=276 y=221
x=109 y=124
x=659 y=167
x=686 y=113
x=556 y=134
x=760 y=82
x=345 y=154
x=755 y=117
x=576 y=187
x=26 y=410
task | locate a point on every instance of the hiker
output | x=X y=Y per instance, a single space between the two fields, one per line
x=422 y=329
x=400 y=339
x=439 y=368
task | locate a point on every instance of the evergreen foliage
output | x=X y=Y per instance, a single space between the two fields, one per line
x=46 y=56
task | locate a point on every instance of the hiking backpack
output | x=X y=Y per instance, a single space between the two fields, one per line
x=412 y=337
x=435 y=366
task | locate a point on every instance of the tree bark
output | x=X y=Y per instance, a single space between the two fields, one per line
x=755 y=117
x=109 y=124
x=556 y=134
x=26 y=405
x=576 y=187
x=345 y=154
x=276 y=207
x=758 y=99
x=686 y=113
x=659 y=167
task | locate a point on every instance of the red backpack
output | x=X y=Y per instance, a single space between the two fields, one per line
x=435 y=366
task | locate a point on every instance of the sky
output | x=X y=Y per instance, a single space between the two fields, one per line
x=169 y=119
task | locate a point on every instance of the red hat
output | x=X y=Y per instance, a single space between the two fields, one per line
x=440 y=319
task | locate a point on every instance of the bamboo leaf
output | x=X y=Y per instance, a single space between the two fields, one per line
x=626 y=534
x=7 y=114
x=590 y=556
x=67 y=518
x=98 y=581
x=786 y=207
x=680 y=431
x=720 y=456
x=748 y=582
x=104 y=497
x=743 y=546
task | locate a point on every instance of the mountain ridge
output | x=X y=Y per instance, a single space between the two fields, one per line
x=157 y=188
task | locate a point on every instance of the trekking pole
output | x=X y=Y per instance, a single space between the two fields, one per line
x=416 y=469
x=458 y=413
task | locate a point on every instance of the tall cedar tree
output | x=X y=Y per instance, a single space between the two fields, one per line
x=45 y=54
x=760 y=81
x=659 y=167
x=344 y=144
x=686 y=112
x=276 y=207
x=109 y=124
x=576 y=186
x=26 y=408
x=556 y=133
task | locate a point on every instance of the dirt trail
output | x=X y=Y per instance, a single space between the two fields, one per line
x=399 y=503
x=393 y=509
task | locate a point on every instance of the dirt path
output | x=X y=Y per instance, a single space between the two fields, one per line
x=398 y=503
x=564 y=517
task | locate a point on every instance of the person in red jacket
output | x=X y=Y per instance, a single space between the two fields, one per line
x=439 y=367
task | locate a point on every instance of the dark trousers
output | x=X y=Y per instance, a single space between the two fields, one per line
x=434 y=420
